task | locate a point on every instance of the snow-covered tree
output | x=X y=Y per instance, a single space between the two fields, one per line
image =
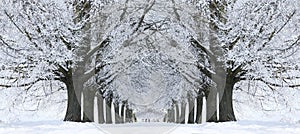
x=248 y=40
x=156 y=46
x=51 y=40
x=151 y=54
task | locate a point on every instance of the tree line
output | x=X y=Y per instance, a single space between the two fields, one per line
x=90 y=45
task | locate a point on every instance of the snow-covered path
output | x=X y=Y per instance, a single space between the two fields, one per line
x=59 y=127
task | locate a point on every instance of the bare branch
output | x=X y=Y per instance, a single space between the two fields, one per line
x=20 y=85
x=146 y=10
x=275 y=84
x=175 y=11
x=122 y=16
x=24 y=31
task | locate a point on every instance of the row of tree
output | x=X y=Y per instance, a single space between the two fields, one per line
x=201 y=48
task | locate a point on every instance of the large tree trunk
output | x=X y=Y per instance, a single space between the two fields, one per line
x=191 y=110
x=100 y=108
x=73 y=112
x=77 y=75
x=218 y=10
x=226 y=107
x=88 y=104
x=199 y=108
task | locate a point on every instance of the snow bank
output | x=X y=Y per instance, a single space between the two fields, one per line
x=59 y=127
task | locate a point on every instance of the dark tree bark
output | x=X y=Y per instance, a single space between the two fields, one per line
x=88 y=104
x=171 y=115
x=77 y=77
x=134 y=117
x=199 y=109
x=177 y=117
x=223 y=77
x=168 y=115
x=74 y=80
x=73 y=112
x=100 y=108
x=211 y=105
x=124 y=103
x=77 y=81
x=118 y=118
x=129 y=113
x=108 y=110
x=191 y=110
x=226 y=107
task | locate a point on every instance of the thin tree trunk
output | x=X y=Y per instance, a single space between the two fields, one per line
x=199 y=109
x=168 y=115
x=177 y=117
x=123 y=111
x=165 y=118
x=182 y=115
x=117 y=116
x=171 y=115
x=133 y=117
x=129 y=113
x=100 y=108
x=191 y=110
x=108 y=110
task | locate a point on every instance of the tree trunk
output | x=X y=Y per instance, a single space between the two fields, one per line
x=171 y=115
x=133 y=117
x=129 y=113
x=165 y=118
x=191 y=110
x=118 y=118
x=177 y=117
x=100 y=109
x=225 y=87
x=88 y=104
x=123 y=111
x=211 y=105
x=182 y=115
x=199 y=109
x=108 y=110
x=73 y=112
x=226 y=107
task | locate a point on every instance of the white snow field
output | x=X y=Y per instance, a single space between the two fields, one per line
x=35 y=112
x=59 y=127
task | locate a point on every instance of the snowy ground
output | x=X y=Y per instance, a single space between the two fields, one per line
x=41 y=113
x=59 y=127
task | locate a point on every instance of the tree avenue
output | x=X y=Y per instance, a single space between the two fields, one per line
x=170 y=58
